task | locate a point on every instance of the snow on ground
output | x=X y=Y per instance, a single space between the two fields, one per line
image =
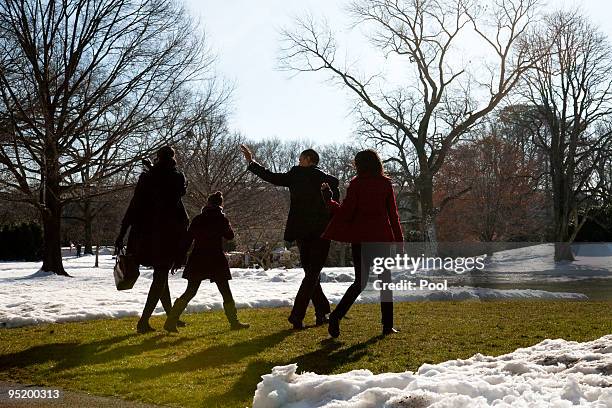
x=29 y=297
x=593 y=260
x=553 y=373
x=536 y=264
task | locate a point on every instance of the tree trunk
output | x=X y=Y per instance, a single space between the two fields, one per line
x=561 y=213
x=51 y=212
x=563 y=252
x=87 y=224
x=51 y=220
x=563 y=242
x=428 y=214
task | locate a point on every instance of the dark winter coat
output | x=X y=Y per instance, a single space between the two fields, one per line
x=367 y=214
x=308 y=214
x=207 y=260
x=156 y=217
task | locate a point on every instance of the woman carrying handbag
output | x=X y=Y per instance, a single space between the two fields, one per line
x=157 y=223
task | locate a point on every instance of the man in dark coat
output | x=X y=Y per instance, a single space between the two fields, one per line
x=158 y=222
x=307 y=219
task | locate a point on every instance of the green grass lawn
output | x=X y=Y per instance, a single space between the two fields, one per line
x=206 y=365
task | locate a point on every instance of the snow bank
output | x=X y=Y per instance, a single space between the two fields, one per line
x=536 y=263
x=28 y=297
x=553 y=373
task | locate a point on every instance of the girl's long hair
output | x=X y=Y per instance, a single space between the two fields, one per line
x=367 y=162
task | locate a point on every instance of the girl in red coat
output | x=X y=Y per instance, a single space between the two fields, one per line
x=367 y=214
x=207 y=261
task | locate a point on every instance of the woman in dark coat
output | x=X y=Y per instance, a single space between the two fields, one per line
x=207 y=261
x=158 y=222
x=367 y=214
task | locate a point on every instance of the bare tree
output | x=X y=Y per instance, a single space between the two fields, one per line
x=572 y=92
x=88 y=84
x=337 y=160
x=212 y=162
x=502 y=201
x=603 y=172
x=419 y=122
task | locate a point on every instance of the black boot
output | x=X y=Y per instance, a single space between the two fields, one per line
x=321 y=320
x=143 y=327
x=232 y=316
x=172 y=319
x=334 y=326
x=177 y=322
x=239 y=325
x=297 y=324
x=389 y=330
x=171 y=322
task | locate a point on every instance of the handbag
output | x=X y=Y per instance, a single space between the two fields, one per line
x=126 y=270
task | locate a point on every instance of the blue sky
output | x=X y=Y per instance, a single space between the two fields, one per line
x=267 y=102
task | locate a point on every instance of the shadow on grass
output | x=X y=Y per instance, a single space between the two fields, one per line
x=323 y=361
x=73 y=354
x=68 y=355
x=215 y=356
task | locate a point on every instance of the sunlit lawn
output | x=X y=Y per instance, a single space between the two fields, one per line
x=206 y=365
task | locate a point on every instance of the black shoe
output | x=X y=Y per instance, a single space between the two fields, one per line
x=144 y=327
x=296 y=325
x=180 y=323
x=389 y=330
x=334 y=327
x=239 y=325
x=170 y=326
x=321 y=321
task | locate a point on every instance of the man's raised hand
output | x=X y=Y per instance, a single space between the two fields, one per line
x=248 y=155
x=326 y=192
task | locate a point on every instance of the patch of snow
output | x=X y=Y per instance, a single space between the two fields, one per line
x=553 y=373
x=532 y=264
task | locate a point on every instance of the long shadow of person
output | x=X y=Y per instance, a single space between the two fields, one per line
x=215 y=356
x=68 y=354
x=73 y=354
x=324 y=360
x=126 y=351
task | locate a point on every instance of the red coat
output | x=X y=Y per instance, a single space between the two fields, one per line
x=367 y=214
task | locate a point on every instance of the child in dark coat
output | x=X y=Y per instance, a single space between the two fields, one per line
x=207 y=261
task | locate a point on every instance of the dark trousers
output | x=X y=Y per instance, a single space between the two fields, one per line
x=159 y=290
x=313 y=253
x=362 y=272
x=229 y=306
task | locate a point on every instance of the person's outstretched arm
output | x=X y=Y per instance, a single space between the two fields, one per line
x=278 y=179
